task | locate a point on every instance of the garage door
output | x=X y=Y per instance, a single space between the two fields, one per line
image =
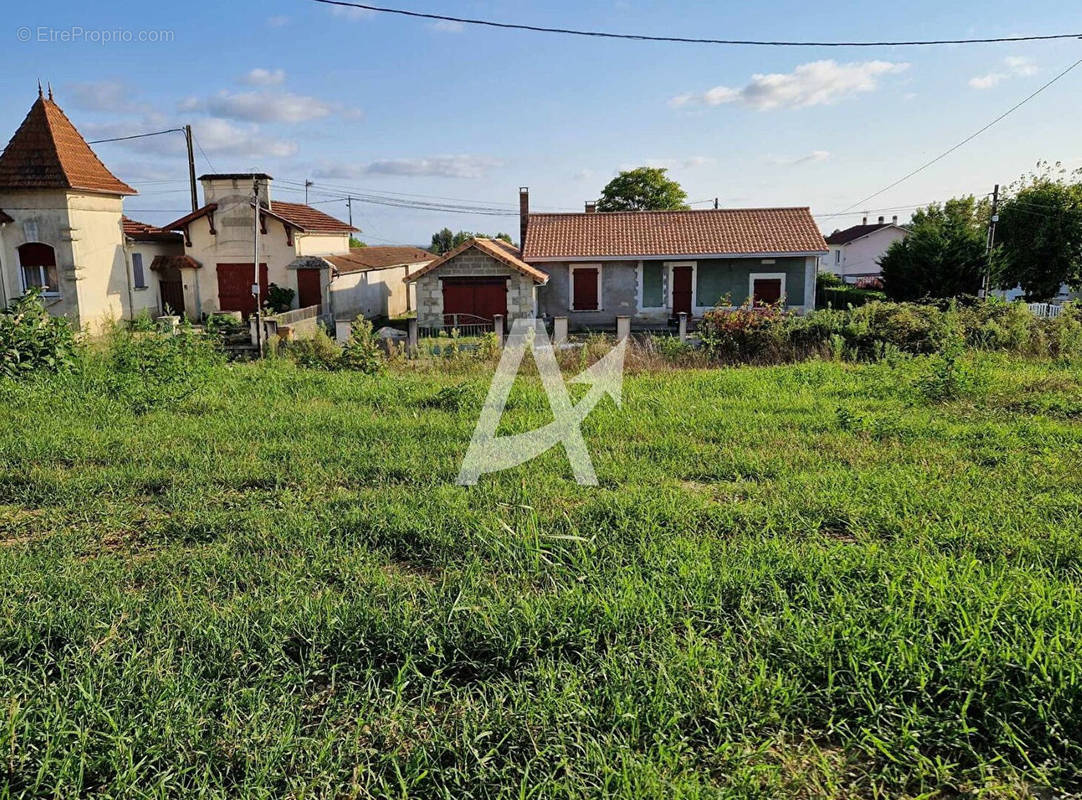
x=472 y=300
x=235 y=287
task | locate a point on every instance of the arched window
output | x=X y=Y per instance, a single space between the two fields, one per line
x=37 y=265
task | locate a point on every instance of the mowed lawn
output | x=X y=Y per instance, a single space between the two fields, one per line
x=792 y=581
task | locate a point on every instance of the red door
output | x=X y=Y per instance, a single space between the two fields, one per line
x=473 y=299
x=766 y=291
x=235 y=287
x=309 y=287
x=681 y=290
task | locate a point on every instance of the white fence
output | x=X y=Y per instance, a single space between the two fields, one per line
x=1046 y=310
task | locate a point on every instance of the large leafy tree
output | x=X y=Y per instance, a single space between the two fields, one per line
x=1040 y=233
x=942 y=256
x=642 y=189
x=444 y=241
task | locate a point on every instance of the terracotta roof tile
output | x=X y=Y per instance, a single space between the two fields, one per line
x=733 y=231
x=179 y=262
x=134 y=229
x=501 y=251
x=47 y=152
x=362 y=259
x=308 y=219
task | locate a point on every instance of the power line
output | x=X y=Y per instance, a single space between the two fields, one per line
x=203 y=153
x=687 y=40
x=966 y=140
x=137 y=136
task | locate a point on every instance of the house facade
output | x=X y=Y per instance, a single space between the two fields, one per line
x=371 y=281
x=217 y=271
x=150 y=291
x=652 y=266
x=855 y=252
x=61 y=226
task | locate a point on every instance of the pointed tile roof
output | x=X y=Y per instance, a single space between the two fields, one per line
x=47 y=152
x=496 y=248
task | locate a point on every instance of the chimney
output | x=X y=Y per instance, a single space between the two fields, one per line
x=894 y=220
x=881 y=220
x=591 y=207
x=864 y=221
x=523 y=214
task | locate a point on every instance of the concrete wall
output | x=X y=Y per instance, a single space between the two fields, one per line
x=375 y=293
x=321 y=244
x=521 y=295
x=148 y=299
x=714 y=279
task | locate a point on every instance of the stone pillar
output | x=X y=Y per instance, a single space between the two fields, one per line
x=683 y=326
x=497 y=326
x=168 y=324
x=411 y=336
x=559 y=330
x=623 y=327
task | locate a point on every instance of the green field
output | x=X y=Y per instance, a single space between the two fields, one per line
x=805 y=581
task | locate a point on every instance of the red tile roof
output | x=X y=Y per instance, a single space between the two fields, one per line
x=308 y=219
x=501 y=251
x=364 y=259
x=47 y=152
x=735 y=231
x=140 y=231
x=161 y=263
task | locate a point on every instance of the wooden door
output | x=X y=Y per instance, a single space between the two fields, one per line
x=309 y=287
x=681 y=290
x=172 y=295
x=235 y=287
x=766 y=291
x=473 y=299
x=584 y=289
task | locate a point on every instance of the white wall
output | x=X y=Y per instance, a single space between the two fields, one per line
x=374 y=293
x=48 y=210
x=148 y=300
x=860 y=256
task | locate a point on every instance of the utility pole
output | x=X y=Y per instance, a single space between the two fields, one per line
x=715 y=204
x=349 y=205
x=255 y=250
x=307 y=183
x=991 y=242
x=191 y=166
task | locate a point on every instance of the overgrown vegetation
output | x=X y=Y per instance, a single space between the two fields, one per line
x=32 y=340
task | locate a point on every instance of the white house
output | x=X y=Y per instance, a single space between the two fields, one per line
x=369 y=281
x=61 y=227
x=855 y=252
x=150 y=291
x=216 y=271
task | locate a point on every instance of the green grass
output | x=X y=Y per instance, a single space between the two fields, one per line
x=792 y=581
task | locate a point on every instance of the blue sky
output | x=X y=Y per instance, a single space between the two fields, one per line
x=364 y=102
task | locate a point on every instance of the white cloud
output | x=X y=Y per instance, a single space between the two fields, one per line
x=811 y=84
x=348 y=12
x=584 y=175
x=792 y=161
x=105 y=95
x=1013 y=67
x=448 y=26
x=690 y=162
x=261 y=106
x=216 y=136
x=456 y=166
x=264 y=77
x=277 y=21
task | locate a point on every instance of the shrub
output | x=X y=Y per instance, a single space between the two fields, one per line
x=148 y=370
x=142 y=322
x=752 y=334
x=224 y=325
x=32 y=340
x=488 y=347
x=279 y=298
x=362 y=352
x=317 y=352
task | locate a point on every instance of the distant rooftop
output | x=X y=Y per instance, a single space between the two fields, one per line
x=226 y=176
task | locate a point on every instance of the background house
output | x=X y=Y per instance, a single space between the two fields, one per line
x=145 y=245
x=652 y=265
x=61 y=221
x=855 y=252
x=370 y=281
x=218 y=272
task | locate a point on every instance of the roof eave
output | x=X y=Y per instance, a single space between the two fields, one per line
x=675 y=256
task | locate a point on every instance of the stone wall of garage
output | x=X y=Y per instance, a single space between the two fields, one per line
x=521 y=292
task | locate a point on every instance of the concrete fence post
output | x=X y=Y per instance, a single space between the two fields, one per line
x=559 y=330
x=623 y=327
x=411 y=337
x=497 y=327
x=683 y=326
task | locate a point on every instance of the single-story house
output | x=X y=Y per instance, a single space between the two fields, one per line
x=370 y=280
x=475 y=282
x=147 y=247
x=218 y=272
x=855 y=252
x=653 y=265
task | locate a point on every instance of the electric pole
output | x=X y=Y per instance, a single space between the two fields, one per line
x=307 y=183
x=991 y=242
x=255 y=257
x=191 y=166
x=715 y=204
x=349 y=205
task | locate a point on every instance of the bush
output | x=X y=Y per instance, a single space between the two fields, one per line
x=32 y=340
x=149 y=370
x=362 y=352
x=317 y=352
x=751 y=334
x=279 y=298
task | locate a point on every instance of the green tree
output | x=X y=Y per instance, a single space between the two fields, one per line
x=354 y=242
x=1040 y=233
x=444 y=241
x=943 y=255
x=642 y=189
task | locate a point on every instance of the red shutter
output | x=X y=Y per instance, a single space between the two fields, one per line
x=584 y=289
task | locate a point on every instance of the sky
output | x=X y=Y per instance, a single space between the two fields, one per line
x=365 y=103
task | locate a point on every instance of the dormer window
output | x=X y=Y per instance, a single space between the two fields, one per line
x=37 y=266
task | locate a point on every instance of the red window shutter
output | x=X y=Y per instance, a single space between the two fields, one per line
x=584 y=289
